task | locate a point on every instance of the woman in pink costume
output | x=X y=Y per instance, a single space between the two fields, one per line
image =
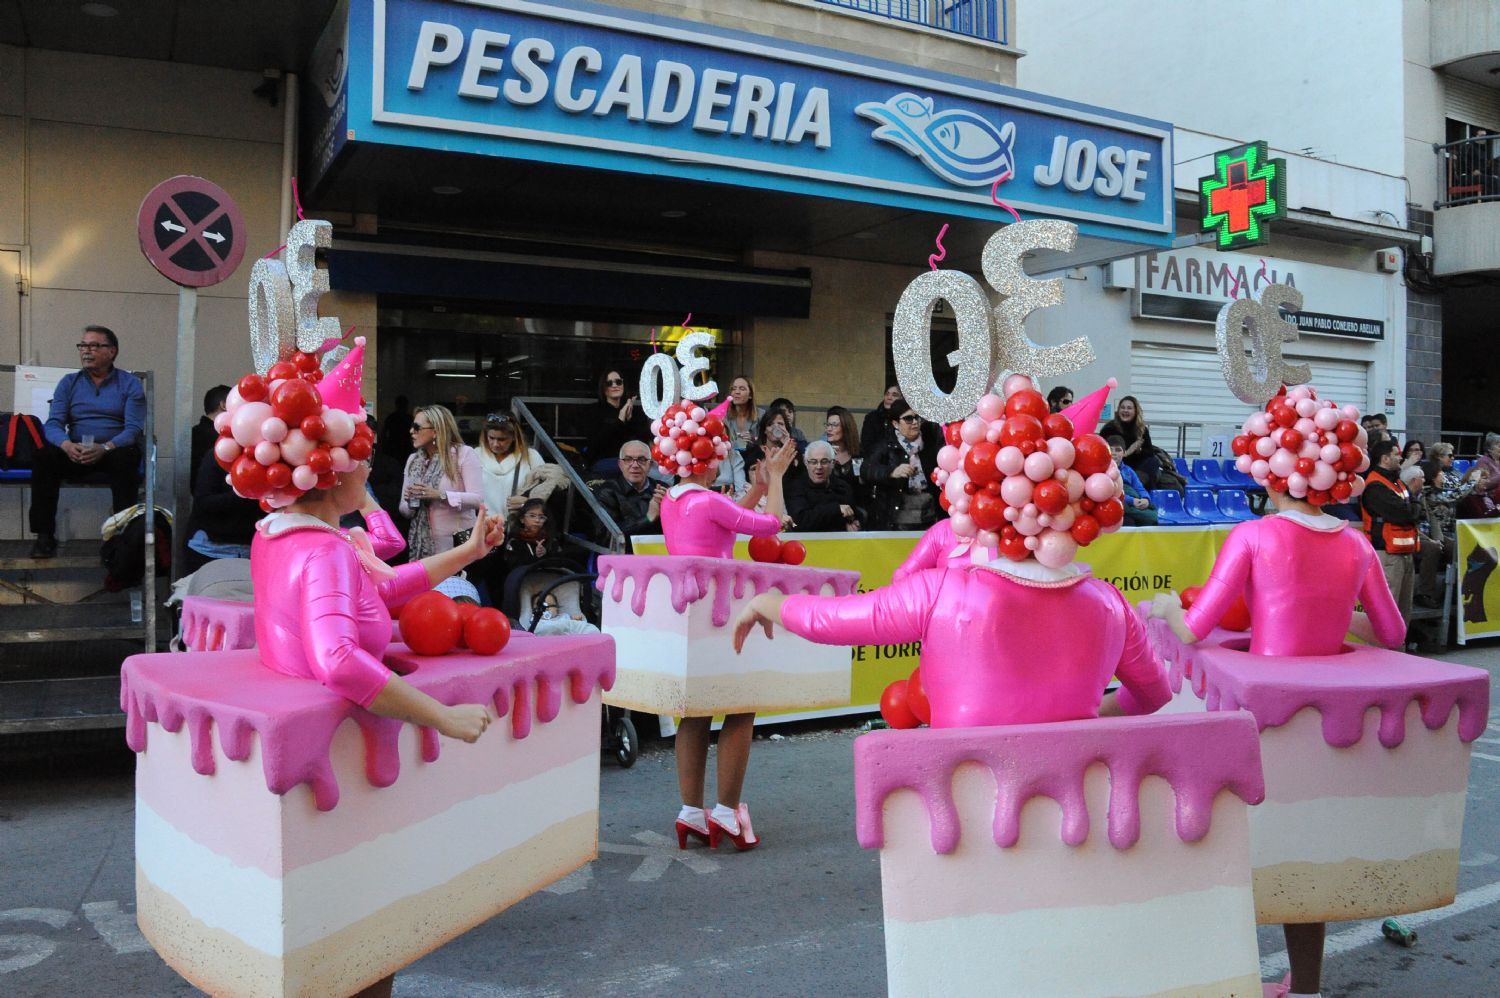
x=1301 y=571
x=1024 y=635
x=698 y=521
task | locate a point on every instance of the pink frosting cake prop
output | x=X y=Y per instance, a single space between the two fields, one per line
x=217 y=624
x=288 y=842
x=1132 y=878
x=1367 y=763
x=669 y=614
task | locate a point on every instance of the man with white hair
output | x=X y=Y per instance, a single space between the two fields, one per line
x=819 y=501
x=633 y=501
x=1430 y=549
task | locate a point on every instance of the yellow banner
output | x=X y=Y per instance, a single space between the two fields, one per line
x=1479 y=601
x=1139 y=561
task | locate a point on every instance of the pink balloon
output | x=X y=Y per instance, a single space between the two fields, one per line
x=990 y=407
x=973 y=429
x=1010 y=513
x=962 y=524
x=1323 y=476
x=1258 y=425
x=340 y=427
x=1362 y=439
x=1309 y=450
x=1015 y=383
x=273 y=429
x=948 y=458
x=1031 y=543
x=1329 y=453
x=954 y=487
x=1038 y=466
x=1028 y=525
x=1296 y=484
x=961 y=504
x=1282 y=462
x=1099 y=487
x=1364 y=462
x=1305 y=426
x=1326 y=419
x=245 y=423
x=1356 y=486
x=1010 y=460
x=267 y=452
x=1016 y=490
x=221 y=421
x=993 y=433
x=1056 y=548
x=294 y=451
x=1265 y=446
x=1306 y=408
x=987 y=539
x=304 y=478
x=226 y=449
x=1062 y=452
x=1243 y=463
x=1351 y=412
x=342 y=462
x=1075 y=486
x=1260 y=470
x=1064 y=520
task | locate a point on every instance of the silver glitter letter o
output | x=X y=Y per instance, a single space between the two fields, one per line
x=659 y=388
x=272 y=328
x=911 y=344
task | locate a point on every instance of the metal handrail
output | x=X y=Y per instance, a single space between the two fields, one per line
x=542 y=439
x=984 y=19
x=1468 y=171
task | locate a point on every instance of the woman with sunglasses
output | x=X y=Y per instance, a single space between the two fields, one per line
x=506 y=461
x=614 y=419
x=898 y=471
x=442 y=486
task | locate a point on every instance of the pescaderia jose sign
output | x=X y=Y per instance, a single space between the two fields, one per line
x=597 y=86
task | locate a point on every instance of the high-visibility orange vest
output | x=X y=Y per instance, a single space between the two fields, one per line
x=1385 y=536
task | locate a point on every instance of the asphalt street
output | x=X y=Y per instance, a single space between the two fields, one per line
x=800 y=915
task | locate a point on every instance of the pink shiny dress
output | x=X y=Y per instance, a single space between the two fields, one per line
x=698 y=522
x=1300 y=583
x=384 y=536
x=997 y=649
x=318 y=613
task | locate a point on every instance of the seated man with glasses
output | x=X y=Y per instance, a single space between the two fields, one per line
x=820 y=500
x=94 y=431
x=633 y=500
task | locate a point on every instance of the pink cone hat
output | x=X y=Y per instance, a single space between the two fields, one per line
x=342 y=387
x=1086 y=411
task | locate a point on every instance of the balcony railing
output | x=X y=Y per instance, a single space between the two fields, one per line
x=1469 y=171
x=975 y=18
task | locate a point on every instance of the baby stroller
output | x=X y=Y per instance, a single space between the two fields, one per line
x=559 y=583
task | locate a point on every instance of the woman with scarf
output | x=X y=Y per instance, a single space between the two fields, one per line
x=898 y=471
x=1130 y=426
x=442 y=487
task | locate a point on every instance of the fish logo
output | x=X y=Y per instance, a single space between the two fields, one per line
x=959 y=146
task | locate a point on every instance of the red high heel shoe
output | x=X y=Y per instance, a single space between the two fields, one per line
x=743 y=840
x=684 y=830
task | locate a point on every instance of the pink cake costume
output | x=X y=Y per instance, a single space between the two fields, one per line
x=1022 y=828
x=1364 y=810
x=261 y=778
x=669 y=618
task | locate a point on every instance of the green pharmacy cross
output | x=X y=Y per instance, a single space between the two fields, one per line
x=1246 y=191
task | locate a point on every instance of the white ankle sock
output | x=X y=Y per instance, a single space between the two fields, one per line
x=728 y=818
x=690 y=815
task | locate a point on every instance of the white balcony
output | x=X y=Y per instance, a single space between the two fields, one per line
x=1466 y=39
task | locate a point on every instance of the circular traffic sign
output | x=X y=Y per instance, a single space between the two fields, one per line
x=191 y=231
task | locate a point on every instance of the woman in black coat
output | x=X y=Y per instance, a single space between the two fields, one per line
x=1129 y=425
x=611 y=421
x=898 y=471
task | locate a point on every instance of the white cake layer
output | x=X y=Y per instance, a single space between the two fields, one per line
x=1185 y=943
x=279 y=915
x=1333 y=829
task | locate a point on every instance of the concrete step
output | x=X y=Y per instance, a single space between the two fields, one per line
x=60 y=705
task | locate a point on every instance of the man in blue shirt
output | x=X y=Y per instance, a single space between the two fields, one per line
x=94 y=430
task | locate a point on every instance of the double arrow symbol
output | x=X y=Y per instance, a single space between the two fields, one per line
x=171 y=226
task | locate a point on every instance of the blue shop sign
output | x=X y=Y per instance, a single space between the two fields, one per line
x=594 y=86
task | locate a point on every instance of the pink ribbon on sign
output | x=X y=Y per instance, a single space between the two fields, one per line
x=995 y=195
x=364 y=550
x=933 y=258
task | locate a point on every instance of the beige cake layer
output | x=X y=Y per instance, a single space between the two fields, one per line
x=706 y=696
x=377 y=945
x=1355 y=888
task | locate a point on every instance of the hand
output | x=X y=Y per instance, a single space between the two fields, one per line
x=787 y=523
x=847 y=512
x=658 y=495
x=488 y=533
x=902 y=471
x=764 y=610
x=1165 y=605
x=627 y=409
x=465 y=721
x=781 y=458
x=852 y=526
x=1141 y=502
x=90 y=454
x=1133 y=448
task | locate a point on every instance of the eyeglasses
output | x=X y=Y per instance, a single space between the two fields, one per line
x=821 y=462
x=635 y=460
x=497 y=419
x=84 y=347
x=611 y=382
x=418 y=427
x=911 y=417
x=535 y=514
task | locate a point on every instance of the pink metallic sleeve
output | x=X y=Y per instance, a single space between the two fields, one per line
x=1380 y=606
x=1226 y=582
x=384 y=536
x=411 y=580
x=936 y=542
x=893 y=614
x=330 y=633
x=1143 y=680
x=732 y=516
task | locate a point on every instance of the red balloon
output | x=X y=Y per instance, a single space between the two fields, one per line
x=313 y=427
x=304 y=362
x=1240 y=445
x=266 y=507
x=1275 y=483
x=327 y=481
x=1284 y=415
x=226 y=465
x=1341 y=491
x=431 y=624
x=1020 y=428
x=1027 y=402
x=1109 y=513
x=1305 y=466
x=944 y=502
x=294 y=401
x=320 y=461
x=1087 y=505
x=952 y=436
x=486 y=631
x=987 y=511
x=312 y=377
x=1057 y=425
x=1050 y=496
x=1092 y=455
x=278 y=475
x=359 y=450
x=766 y=549
x=993 y=488
x=699 y=467
x=1291 y=440
x=714 y=427
x=1085 y=529
x=253 y=388
x=1009 y=530
x=281 y=370
x=362 y=431
x=248 y=476
x=893 y=706
x=793 y=553
x=1346 y=431
x=916 y=697
x=1349 y=457
x=1189 y=596
x=979 y=463
x=1318 y=496
x=970 y=488
x=1029 y=447
x=1014 y=548
x=703 y=449
x=1237 y=617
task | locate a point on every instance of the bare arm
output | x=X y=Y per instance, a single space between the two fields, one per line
x=764 y=610
x=404 y=702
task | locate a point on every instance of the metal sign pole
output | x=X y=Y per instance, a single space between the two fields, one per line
x=183 y=420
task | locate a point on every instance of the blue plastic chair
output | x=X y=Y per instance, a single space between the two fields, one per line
x=1234 y=504
x=1209 y=474
x=1201 y=506
x=1182 y=469
x=1169 y=507
x=1462 y=467
x=1237 y=479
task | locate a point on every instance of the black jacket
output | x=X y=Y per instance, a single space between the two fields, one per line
x=816 y=507
x=217 y=510
x=628 y=506
x=606 y=433
x=887 y=493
